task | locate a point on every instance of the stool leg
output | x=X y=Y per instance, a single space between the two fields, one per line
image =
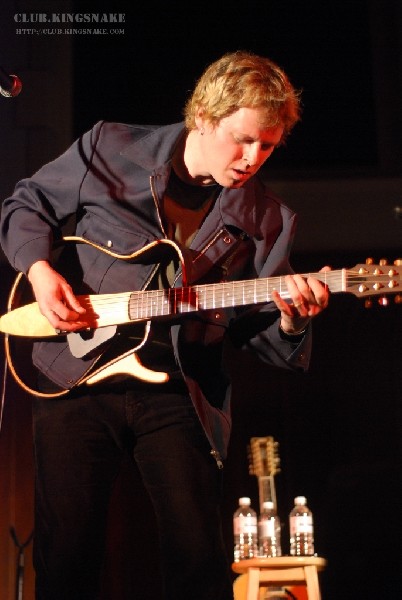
x=253 y=587
x=240 y=587
x=313 y=588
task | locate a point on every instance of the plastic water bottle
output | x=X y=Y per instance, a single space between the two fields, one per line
x=301 y=529
x=269 y=531
x=245 y=531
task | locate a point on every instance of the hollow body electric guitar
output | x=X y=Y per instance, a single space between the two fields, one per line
x=106 y=311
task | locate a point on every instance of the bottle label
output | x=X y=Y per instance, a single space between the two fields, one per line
x=301 y=524
x=267 y=528
x=245 y=524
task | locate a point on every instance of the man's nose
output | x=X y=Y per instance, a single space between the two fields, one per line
x=252 y=155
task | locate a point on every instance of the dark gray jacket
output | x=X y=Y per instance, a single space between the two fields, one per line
x=112 y=180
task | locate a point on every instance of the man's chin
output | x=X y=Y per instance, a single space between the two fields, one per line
x=235 y=184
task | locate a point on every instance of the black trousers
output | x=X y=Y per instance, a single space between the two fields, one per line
x=80 y=442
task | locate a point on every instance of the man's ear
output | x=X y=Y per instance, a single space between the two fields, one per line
x=199 y=118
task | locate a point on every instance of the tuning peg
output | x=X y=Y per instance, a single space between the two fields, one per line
x=398 y=299
x=398 y=262
x=383 y=261
x=369 y=261
x=383 y=301
x=368 y=303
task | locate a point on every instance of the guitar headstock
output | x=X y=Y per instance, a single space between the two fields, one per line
x=369 y=279
x=263 y=456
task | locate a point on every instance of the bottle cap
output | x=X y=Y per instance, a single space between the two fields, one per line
x=268 y=504
x=244 y=500
x=300 y=500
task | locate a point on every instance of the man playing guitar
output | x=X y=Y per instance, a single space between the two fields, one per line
x=156 y=208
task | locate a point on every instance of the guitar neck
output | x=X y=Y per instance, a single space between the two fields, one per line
x=266 y=490
x=175 y=301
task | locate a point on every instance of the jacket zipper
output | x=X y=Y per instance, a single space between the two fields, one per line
x=155 y=197
x=218 y=458
x=213 y=451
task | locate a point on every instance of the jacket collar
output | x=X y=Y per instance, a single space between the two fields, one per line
x=155 y=148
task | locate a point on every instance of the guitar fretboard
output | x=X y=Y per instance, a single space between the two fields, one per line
x=174 y=301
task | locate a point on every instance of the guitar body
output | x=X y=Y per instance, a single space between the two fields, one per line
x=88 y=352
x=91 y=358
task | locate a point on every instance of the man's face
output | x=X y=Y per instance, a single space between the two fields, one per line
x=233 y=151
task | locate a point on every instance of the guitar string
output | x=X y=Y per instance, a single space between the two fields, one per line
x=214 y=288
x=144 y=303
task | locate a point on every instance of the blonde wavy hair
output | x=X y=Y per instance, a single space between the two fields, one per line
x=243 y=79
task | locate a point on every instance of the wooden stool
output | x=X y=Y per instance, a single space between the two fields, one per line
x=280 y=571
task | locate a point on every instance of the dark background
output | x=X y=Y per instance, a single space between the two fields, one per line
x=325 y=48
x=339 y=426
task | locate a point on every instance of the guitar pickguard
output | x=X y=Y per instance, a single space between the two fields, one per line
x=82 y=343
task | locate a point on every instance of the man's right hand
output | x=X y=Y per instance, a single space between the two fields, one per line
x=55 y=298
